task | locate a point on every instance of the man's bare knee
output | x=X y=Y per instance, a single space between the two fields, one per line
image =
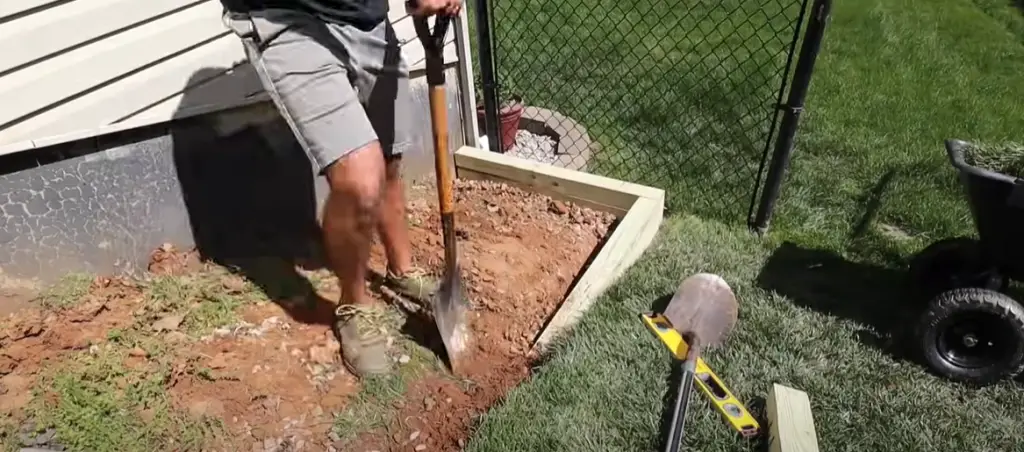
x=357 y=181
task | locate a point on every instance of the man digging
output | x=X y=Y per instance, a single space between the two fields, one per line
x=335 y=72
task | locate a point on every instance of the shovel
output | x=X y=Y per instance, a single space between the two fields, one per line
x=449 y=303
x=703 y=311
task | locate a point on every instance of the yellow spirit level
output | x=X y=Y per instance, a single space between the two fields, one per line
x=713 y=387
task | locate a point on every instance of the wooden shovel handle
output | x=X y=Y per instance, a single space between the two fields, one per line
x=433 y=47
x=439 y=119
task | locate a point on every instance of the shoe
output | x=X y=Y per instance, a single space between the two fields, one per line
x=363 y=333
x=414 y=284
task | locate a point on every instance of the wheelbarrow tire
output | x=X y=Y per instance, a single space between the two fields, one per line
x=973 y=336
x=951 y=264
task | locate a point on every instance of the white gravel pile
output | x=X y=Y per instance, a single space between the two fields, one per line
x=540 y=148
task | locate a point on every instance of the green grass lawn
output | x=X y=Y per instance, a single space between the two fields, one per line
x=894 y=80
x=605 y=387
x=822 y=307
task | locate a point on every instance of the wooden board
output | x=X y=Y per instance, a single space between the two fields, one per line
x=791 y=421
x=598 y=192
x=639 y=209
x=602 y=205
x=631 y=237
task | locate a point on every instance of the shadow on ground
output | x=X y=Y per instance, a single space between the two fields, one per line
x=252 y=199
x=249 y=193
x=673 y=383
x=873 y=296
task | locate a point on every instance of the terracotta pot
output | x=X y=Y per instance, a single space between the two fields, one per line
x=508 y=118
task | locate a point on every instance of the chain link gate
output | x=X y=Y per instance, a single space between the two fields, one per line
x=684 y=96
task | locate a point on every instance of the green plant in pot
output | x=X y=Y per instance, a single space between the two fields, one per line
x=510 y=112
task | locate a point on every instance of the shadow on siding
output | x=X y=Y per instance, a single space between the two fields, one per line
x=249 y=192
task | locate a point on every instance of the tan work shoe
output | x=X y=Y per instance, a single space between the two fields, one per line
x=414 y=284
x=364 y=339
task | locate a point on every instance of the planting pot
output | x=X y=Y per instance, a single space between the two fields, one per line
x=508 y=118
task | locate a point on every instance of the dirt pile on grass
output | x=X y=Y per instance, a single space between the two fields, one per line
x=195 y=356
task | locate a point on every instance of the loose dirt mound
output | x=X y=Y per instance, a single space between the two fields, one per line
x=197 y=356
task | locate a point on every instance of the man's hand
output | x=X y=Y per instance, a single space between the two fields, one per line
x=432 y=7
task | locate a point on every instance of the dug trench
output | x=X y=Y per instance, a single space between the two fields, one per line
x=199 y=356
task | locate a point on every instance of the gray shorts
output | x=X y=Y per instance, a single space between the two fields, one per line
x=338 y=87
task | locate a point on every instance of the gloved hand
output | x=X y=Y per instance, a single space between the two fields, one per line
x=432 y=7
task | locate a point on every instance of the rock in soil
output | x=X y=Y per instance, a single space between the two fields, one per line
x=321 y=354
x=558 y=207
x=169 y=323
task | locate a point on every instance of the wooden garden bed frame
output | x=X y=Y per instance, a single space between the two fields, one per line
x=638 y=208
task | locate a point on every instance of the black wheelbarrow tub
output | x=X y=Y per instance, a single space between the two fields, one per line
x=997 y=204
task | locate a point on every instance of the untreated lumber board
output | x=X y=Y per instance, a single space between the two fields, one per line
x=791 y=421
x=588 y=189
x=639 y=209
x=615 y=209
x=627 y=242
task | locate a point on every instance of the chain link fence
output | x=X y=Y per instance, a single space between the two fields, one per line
x=678 y=95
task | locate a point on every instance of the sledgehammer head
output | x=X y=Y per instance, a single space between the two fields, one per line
x=703 y=308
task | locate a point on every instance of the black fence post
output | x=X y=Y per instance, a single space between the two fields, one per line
x=820 y=12
x=485 y=54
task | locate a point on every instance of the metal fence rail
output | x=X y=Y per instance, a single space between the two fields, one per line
x=683 y=95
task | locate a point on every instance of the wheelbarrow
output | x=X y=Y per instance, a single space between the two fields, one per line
x=972 y=329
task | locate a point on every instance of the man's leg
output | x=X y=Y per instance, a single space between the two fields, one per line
x=350 y=217
x=402 y=275
x=382 y=82
x=394 y=231
x=303 y=67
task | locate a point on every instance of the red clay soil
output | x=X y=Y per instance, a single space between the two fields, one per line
x=276 y=380
x=520 y=252
x=32 y=338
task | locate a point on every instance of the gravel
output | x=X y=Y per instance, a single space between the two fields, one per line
x=540 y=148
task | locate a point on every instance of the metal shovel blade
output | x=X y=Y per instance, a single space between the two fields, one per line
x=703 y=307
x=450 y=314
